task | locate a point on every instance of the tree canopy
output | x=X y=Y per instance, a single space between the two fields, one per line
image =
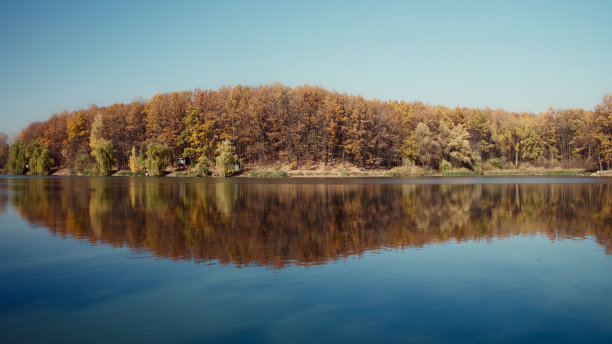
x=307 y=125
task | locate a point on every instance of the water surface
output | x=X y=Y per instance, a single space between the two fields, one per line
x=304 y=260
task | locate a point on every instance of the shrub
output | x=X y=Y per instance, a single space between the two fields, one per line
x=445 y=165
x=495 y=163
x=201 y=167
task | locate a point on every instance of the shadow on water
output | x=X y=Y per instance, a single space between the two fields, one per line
x=305 y=222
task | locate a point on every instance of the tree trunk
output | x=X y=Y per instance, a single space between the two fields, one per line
x=516 y=158
x=599 y=160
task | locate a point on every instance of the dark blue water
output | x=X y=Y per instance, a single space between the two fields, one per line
x=189 y=261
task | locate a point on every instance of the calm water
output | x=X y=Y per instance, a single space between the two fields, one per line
x=305 y=260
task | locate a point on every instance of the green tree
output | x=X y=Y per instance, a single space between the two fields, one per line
x=4 y=150
x=17 y=157
x=101 y=149
x=39 y=158
x=157 y=158
x=226 y=158
x=104 y=152
x=481 y=133
x=531 y=145
x=201 y=168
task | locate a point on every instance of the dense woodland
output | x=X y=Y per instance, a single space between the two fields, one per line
x=307 y=126
x=292 y=223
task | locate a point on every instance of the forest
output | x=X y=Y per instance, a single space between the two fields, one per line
x=305 y=127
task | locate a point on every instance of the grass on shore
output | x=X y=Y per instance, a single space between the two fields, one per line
x=536 y=171
x=130 y=174
x=409 y=171
x=268 y=173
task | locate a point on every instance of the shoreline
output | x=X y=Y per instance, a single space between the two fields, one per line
x=268 y=173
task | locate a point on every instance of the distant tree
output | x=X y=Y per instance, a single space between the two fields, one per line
x=603 y=132
x=104 y=154
x=75 y=146
x=39 y=158
x=136 y=161
x=480 y=133
x=157 y=158
x=458 y=148
x=101 y=149
x=226 y=158
x=4 y=150
x=531 y=145
x=428 y=149
x=17 y=157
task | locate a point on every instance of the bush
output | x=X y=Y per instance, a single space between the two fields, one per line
x=201 y=167
x=445 y=165
x=495 y=163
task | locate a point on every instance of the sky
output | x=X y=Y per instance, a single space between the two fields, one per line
x=515 y=55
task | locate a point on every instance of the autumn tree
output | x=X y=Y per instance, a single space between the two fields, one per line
x=603 y=132
x=428 y=150
x=75 y=146
x=458 y=148
x=165 y=119
x=101 y=149
x=136 y=161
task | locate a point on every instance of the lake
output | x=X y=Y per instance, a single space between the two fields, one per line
x=431 y=260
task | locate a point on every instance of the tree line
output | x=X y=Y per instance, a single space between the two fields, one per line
x=303 y=127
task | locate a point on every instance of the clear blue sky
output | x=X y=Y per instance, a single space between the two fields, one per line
x=515 y=55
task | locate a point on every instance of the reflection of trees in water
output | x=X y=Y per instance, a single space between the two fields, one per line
x=276 y=224
x=3 y=195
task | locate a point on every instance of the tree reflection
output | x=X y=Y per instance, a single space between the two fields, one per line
x=278 y=224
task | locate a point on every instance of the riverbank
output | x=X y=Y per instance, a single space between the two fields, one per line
x=352 y=171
